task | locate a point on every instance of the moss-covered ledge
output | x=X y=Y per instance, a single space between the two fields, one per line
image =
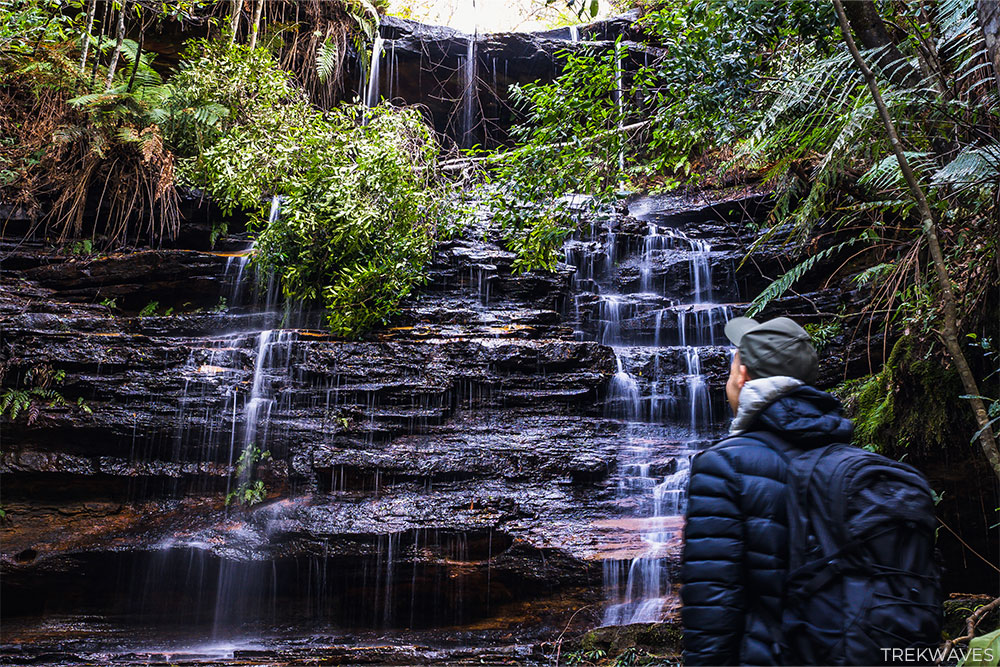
x=636 y=644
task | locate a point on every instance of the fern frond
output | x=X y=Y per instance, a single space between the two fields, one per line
x=974 y=165
x=784 y=283
x=93 y=99
x=874 y=274
x=326 y=59
x=127 y=135
x=210 y=114
x=886 y=174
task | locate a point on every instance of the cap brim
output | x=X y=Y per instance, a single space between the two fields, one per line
x=736 y=327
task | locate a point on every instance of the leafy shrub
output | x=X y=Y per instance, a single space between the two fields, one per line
x=360 y=205
x=357 y=229
x=570 y=142
x=249 y=491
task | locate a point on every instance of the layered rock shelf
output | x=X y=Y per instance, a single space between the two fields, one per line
x=462 y=468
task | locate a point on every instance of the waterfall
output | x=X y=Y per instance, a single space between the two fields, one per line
x=372 y=93
x=623 y=393
x=469 y=92
x=660 y=396
x=574 y=33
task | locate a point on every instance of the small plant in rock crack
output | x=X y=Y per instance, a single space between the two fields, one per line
x=82 y=247
x=585 y=657
x=149 y=309
x=37 y=391
x=248 y=491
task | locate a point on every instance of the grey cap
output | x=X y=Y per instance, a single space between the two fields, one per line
x=776 y=347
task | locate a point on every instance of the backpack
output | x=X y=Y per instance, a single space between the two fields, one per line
x=862 y=576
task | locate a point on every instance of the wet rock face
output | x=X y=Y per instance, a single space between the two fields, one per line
x=460 y=467
x=454 y=462
x=462 y=80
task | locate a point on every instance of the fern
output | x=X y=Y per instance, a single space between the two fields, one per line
x=782 y=284
x=14 y=402
x=326 y=59
x=875 y=273
x=886 y=174
x=973 y=166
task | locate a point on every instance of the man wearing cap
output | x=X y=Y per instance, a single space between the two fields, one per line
x=736 y=534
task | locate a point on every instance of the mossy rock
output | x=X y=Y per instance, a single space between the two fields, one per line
x=648 y=641
x=911 y=406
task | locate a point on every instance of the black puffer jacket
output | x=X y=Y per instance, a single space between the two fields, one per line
x=736 y=544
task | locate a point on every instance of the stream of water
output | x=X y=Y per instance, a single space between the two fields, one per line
x=659 y=393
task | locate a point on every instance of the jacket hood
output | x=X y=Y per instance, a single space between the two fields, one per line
x=802 y=415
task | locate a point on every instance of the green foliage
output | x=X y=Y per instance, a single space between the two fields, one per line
x=601 y=124
x=327 y=59
x=822 y=333
x=248 y=494
x=248 y=491
x=585 y=657
x=219 y=87
x=633 y=655
x=570 y=142
x=83 y=247
x=983 y=651
x=991 y=357
x=24 y=25
x=785 y=282
x=249 y=458
x=360 y=207
x=38 y=391
x=149 y=309
x=538 y=239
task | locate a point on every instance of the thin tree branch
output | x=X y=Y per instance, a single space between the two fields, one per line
x=949 y=334
x=113 y=65
x=91 y=10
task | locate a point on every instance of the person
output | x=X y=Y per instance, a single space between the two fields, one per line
x=735 y=560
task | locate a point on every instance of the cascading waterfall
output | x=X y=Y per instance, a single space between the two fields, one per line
x=659 y=393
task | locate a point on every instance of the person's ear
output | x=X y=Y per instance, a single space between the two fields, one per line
x=742 y=377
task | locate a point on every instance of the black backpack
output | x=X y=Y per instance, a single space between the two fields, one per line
x=862 y=576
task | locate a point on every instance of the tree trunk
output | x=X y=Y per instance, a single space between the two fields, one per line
x=234 y=24
x=255 y=25
x=113 y=65
x=950 y=333
x=864 y=19
x=138 y=53
x=91 y=10
x=988 y=12
x=97 y=56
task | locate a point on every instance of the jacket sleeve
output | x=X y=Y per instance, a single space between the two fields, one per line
x=712 y=569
